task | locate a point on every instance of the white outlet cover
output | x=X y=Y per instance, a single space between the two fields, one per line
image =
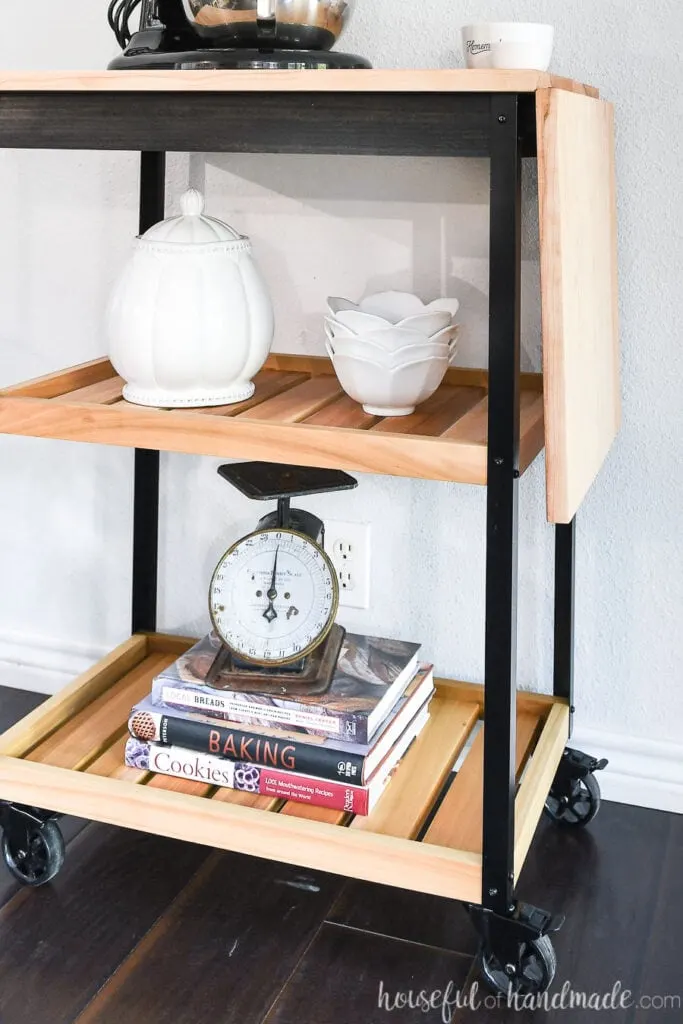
x=348 y=545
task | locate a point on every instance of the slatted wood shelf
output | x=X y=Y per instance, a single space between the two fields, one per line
x=298 y=415
x=68 y=755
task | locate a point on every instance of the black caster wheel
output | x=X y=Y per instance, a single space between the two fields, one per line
x=578 y=807
x=36 y=857
x=532 y=976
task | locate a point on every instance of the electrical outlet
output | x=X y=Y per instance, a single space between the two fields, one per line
x=348 y=545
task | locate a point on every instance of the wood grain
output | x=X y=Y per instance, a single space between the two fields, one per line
x=538 y=779
x=419 y=778
x=458 y=823
x=535 y=703
x=297 y=403
x=222 y=951
x=343 y=412
x=446 y=80
x=62 y=381
x=227 y=437
x=73 y=698
x=60 y=946
x=437 y=414
x=577 y=197
x=106 y=392
x=234 y=796
x=91 y=731
x=310 y=844
x=267 y=382
x=310 y=813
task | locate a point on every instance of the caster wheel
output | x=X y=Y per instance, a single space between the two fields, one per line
x=533 y=976
x=577 y=809
x=37 y=860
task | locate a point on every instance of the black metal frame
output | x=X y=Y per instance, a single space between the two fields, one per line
x=502 y=500
x=146 y=487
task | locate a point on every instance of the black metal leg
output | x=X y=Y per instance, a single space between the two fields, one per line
x=563 y=672
x=501 y=529
x=146 y=508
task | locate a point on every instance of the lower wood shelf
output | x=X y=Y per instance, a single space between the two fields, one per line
x=67 y=756
x=297 y=415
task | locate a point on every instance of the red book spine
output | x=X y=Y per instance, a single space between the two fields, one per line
x=318 y=792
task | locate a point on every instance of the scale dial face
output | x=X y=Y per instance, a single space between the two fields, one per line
x=273 y=597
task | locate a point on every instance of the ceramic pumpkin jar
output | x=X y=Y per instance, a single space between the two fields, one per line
x=190 y=320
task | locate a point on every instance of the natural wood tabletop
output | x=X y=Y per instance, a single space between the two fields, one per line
x=377 y=80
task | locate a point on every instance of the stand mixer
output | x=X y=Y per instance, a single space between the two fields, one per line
x=205 y=34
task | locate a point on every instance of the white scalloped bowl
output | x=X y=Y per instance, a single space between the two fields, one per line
x=398 y=308
x=389 y=392
x=426 y=324
x=389 y=339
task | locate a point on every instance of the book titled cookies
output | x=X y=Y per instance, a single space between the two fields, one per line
x=251 y=778
x=372 y=674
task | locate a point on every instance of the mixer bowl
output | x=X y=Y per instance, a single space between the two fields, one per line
x=298 y=24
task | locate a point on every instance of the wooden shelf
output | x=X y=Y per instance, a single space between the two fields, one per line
x=376 y=80
x=298 y=415
x=68 y=755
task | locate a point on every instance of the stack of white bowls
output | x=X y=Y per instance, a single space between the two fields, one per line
x=391 y=351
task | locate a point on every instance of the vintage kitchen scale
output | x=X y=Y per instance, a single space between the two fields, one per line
x=274 y=594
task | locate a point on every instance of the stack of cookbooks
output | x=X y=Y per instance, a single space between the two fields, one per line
x=336 y=750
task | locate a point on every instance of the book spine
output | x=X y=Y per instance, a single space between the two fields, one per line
x=346 y=726
x=251 y=748
x=250 y=778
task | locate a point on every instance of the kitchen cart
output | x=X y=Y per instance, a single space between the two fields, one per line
x=481 y=428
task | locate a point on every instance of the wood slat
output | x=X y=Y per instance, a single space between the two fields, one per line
x=167 y=643
x=274 y=429
x=535 y=703
x=538 y=779
x=297 y=403
x=473 y=427
x=310 y=844
x=235 y=796
x=579 y=291
x=173 y=785
x=437 y=414
x=531 y=429
x=111 y=759
x=91 y=731
x=310 y=813
x=62 y=381
x=236 y=437
x=343 y=412
x=458 y=823
x=73 y=698
x=421 y=774
x=377 y=80
x=268 y=383
x=105 y=392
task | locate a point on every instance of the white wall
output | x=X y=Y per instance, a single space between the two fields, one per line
x=339 y=225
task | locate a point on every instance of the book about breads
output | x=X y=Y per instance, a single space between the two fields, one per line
x=251 y=778
x=372 y=674
x=286 y=750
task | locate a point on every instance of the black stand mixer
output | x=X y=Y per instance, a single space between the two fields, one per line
x=206 y=34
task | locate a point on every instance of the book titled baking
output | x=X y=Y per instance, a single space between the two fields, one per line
x=371 y=676
x=288 y=750
x=250 y=778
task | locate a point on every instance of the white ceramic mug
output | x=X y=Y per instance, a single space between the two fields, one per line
x=508 y=45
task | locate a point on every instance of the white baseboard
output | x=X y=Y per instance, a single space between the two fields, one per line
x=643 y=772
x=42 y=664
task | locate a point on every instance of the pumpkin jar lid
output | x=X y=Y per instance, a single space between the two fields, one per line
x=192 y=227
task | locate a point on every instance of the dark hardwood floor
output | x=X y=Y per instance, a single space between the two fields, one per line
x=143 y=930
